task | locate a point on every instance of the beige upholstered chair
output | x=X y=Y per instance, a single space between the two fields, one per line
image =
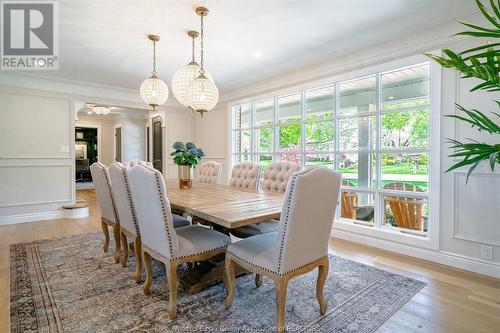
x=109 y=217
x=133 y=163
x=245 y=175
x=301 y=243
x=209 y=172
x=160 y=240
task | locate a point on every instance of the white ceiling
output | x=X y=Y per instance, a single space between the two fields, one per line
x=105 y=41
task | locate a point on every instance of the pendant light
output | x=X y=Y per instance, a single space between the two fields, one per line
x=101 y=109
x=202 y=94
x=184 y=77
x=153 y=90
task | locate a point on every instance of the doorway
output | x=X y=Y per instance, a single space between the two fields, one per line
x=86 y=153
x=118 y=144
x=157 y=144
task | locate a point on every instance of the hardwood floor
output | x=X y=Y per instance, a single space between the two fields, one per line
x=452 y=301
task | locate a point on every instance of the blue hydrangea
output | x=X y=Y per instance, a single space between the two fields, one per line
x=201 y=153
x=193 y=151
x=178 y=145
x=190 y=145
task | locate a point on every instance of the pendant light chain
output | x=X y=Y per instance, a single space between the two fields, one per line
x=202 y=69
x=192 y=49
x=154 y=58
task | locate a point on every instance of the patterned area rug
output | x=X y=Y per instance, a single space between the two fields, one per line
x=70 y=285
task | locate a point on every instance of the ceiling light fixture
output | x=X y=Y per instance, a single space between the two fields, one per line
x=153 y=90
x=184 y=77
x=202 y=94
x=101 y=109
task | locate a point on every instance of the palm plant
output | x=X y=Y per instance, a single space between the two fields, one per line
x=483 y=63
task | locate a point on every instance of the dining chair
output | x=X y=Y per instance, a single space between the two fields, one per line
x=245 y=176
x=109 y=216
x=209 y=172
x=133 y=163
x=299 y=246
x=159 y=238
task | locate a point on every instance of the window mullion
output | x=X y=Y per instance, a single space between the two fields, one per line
x=303 y=149
x=336 y=114
x=379 y=209
x=276 y=131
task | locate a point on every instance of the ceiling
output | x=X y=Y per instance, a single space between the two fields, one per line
x=105 y=42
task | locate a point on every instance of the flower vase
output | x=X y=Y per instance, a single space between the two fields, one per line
x=185 y=176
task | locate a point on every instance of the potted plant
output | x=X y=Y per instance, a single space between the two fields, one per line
x=186 y=156
x=482 y=63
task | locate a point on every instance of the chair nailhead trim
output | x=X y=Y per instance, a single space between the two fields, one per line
x=129 y=194
x=165 y=220
x=202 y=252
x=108 y=185
x=285 y=224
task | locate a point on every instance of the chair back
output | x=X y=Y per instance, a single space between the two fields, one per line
x=245 y=175
x=123 y=198
x=153 y=212
x=407 y=211
x=307 y=217
x=276 y=176
x=102 y=185
x=209 y=172
x=133 y=163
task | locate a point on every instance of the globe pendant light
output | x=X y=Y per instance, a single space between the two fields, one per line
x=101 y=109
x=153 y=90
x=184 y=77
x=202 y=94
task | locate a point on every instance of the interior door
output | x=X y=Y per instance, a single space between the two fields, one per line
x=118 y=144
x=157 y=144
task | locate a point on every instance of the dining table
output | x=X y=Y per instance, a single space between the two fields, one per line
x=223 y=208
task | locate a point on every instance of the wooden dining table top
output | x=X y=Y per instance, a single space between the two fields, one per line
x=223 y=205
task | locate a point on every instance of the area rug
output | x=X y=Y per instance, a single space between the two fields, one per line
x=70 y=285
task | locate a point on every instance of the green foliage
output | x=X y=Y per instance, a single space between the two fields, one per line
x=186 y=154
x=483 y=63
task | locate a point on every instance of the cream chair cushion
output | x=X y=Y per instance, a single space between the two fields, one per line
x=304 y=228
x=275 y=177
x=123 y=198
x=102 y=185
x=156 y=222
x=245 y=175
x=209 y=172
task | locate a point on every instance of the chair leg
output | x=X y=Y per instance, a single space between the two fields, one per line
x=149 y=272
x=105 y=231
x=322 y=275
x=171 y=269
x=258 y=280
x=116 y=234
x=230 y=280
x=138 y=259
x=280 y=286
x=124 y=244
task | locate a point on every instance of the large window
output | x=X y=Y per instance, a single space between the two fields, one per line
x=373 y=129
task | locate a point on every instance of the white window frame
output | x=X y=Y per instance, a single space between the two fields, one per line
x=377 y=229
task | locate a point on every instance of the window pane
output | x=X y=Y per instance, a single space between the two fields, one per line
x=358 y=96
x=264 y=112
x=407 y=87
x=264 y=161
x=319 y=136
x=405 y=129
x=320 y=103
x=290 y=138
x=358 y=170
x=242 y=116
x=289 y=108
x=405 y=172
x=357 y=133
x=264 y=139
x=240 y=158
x=357 y=206
x=406 y=212
x=291 y=158
x=320 y=160
x=242 y=142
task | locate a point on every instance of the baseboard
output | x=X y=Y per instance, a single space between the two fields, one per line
x=440 y=257
x=77 y=213
x=31 y=217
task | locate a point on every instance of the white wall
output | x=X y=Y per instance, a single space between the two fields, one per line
x=469 y=213
x=36 y=155
x=133 y=139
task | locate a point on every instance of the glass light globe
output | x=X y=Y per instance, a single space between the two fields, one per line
x=203 y=94
x=154 y=91
x=182 y=80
